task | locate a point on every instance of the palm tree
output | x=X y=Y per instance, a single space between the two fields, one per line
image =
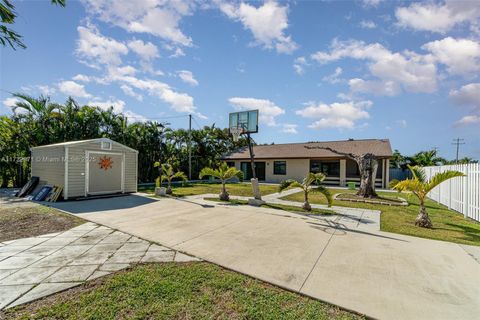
x=168 y=175
x=426 y=158
x=420 y=187
x=307 y=185
x=224 y=173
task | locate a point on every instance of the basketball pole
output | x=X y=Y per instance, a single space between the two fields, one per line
x=250 y=149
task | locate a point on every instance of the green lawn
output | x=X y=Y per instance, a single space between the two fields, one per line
x=277 y=206
x=178 y=291
x=448 y=225
x=235 y=189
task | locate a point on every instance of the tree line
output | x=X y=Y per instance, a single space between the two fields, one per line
x=38 y=121
x=424 y=159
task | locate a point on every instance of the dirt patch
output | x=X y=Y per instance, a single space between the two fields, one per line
x=22 y=222
x=388 y=201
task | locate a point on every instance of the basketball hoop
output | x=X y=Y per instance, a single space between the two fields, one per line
x=236 y=132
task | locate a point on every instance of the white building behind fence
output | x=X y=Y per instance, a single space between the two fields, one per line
x=461 y=194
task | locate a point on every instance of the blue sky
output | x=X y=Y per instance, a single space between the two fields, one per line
x=317 y=70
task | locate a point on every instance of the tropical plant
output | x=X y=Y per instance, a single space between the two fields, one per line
x=311 y=183
x=420 y=186
x=168 y=174
x=8 y=15
x=426 y=158
x=224 y=173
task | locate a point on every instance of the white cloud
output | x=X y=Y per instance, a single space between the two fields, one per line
x=117 y=105
x=10 y=102
x=289 y=128
x=468 y=95
x=81 y=78
x=334 y=77
x=146 y=50
x=97 y=49
x=299 y=65
x=367 y=24
x=71 y=88
x=134 y=117
x=439 y=17
x=266 y=22
x=371 y=3
x=380 y=88
x=401 y=123
x=414 y=72
x=461 y=56
x=129 y=92
x=177 y=53
x=468 y=120
x=157 y=17
x=187 y=77
x=340 y=115
x=267 y=109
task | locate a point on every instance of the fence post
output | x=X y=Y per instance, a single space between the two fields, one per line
x=465 y=193
x=449 y=194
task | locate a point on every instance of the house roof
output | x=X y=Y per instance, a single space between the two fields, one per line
x=379 y=147
x=70 y=143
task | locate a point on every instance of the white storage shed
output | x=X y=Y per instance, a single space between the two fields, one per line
x=87 y=167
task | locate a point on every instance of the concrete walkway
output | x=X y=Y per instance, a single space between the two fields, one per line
x=337 y=259
x=36 y=267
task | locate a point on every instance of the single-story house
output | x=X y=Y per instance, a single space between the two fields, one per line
x=87 y=167
x=277 y=162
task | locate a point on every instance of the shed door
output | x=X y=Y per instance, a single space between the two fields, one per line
x=105 y=172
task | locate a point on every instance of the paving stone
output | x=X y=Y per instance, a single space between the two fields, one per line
x=10 y=293
x=40 y=250
x=92 y=237
x=6 y=272
x=43 y=290
x=116 y=237
x=49 y=235
x=27 y=242
x=156 y=247
x=18 y=262
x=73 y=234
x=180 y=257
x=98 y=274
x=86 y=226
x=159 y=256
x=135 y=239
x=59 y=241
x=134 y=246
x=126 y=257
x=29 y=275
x=62 y=256
x=91 y=258
x=12 y=250
x=113 y=266
x=72 y=273
x=109 y=247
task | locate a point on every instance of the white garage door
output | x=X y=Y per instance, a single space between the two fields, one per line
x=105 y=172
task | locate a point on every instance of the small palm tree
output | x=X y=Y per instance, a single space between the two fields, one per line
x=420 y=187
x=168 y=175
x=307 y=186
x=224 y=173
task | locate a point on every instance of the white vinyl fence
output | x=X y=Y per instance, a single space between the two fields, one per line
x=461 y=194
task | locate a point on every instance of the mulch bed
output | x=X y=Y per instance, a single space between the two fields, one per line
x=23 y=222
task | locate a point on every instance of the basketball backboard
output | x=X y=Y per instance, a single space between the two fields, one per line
x=245 y=120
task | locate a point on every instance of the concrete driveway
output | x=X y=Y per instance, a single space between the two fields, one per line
x=336 y=259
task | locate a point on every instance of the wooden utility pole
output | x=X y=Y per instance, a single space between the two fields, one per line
x=457 y=142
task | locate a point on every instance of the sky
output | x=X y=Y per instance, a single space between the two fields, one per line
x=315 y=70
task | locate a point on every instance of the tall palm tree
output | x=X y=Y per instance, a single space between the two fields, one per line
x=307 y=185
x=168 y=175
x=224 y=173
x=420 y=186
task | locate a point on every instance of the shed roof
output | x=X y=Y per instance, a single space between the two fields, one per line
x=379 y=147
x=77 y=142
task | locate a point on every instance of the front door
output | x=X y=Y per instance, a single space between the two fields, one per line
x=105 y=171
x=259 y=170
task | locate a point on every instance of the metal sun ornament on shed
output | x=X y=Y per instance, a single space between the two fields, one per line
x=105 y=163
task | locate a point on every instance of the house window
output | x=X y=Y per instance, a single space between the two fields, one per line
x=329 y=168
x=280 y=167
x=231 y=164
x=106 y=145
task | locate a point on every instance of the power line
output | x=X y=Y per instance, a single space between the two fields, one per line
x=458 y=142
